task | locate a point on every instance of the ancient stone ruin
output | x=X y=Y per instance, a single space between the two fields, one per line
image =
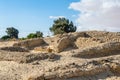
x=88 y=55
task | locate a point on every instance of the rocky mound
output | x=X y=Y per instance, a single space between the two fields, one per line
x=62 y=42
x=87 y=42
x=101 y=50
x=29 y=44
x=69 y=71
x=88 y=55
x=106 y=69
x=105 y=36
x=24 y=57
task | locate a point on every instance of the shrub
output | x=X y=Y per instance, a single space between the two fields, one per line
x=38 y=34
x=6 y=37
x=32 y=35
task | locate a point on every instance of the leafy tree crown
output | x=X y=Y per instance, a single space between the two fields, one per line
x=38 y=34
x=12 y=32
x=62 y=25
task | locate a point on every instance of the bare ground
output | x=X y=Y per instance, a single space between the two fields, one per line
x=99 y=62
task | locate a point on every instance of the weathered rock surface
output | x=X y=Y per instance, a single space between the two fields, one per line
x=26 y=57
x=29 y=43
x=89 y=70
x=62 y=44
x=101 y=50
x=90 y=55
x=86 y=42
x=14 y=49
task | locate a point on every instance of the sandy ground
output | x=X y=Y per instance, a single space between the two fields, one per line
x=28 y=66
x=102 y=62
x=7 y=43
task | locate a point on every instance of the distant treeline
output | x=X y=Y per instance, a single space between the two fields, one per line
x=60 y=26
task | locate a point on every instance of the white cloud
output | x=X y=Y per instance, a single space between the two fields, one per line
x=98 y=14
x=74 y=16
x=56 y=17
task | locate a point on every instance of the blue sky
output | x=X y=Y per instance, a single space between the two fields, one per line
x=37 y=15
x=33 y=15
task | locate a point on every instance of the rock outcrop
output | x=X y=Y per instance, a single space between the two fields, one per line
x=87 y=42
x=101 y=50
x=62 y=44
x=29 y=43
x=27 y=57
x=105 y=36
x=95 y=69
x=88 y=55
x=67 y=40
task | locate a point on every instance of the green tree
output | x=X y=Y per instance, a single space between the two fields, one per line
x=38 y=34
x=31 y=35
x=6 y=37
x=62 y=25
x=12 y=32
